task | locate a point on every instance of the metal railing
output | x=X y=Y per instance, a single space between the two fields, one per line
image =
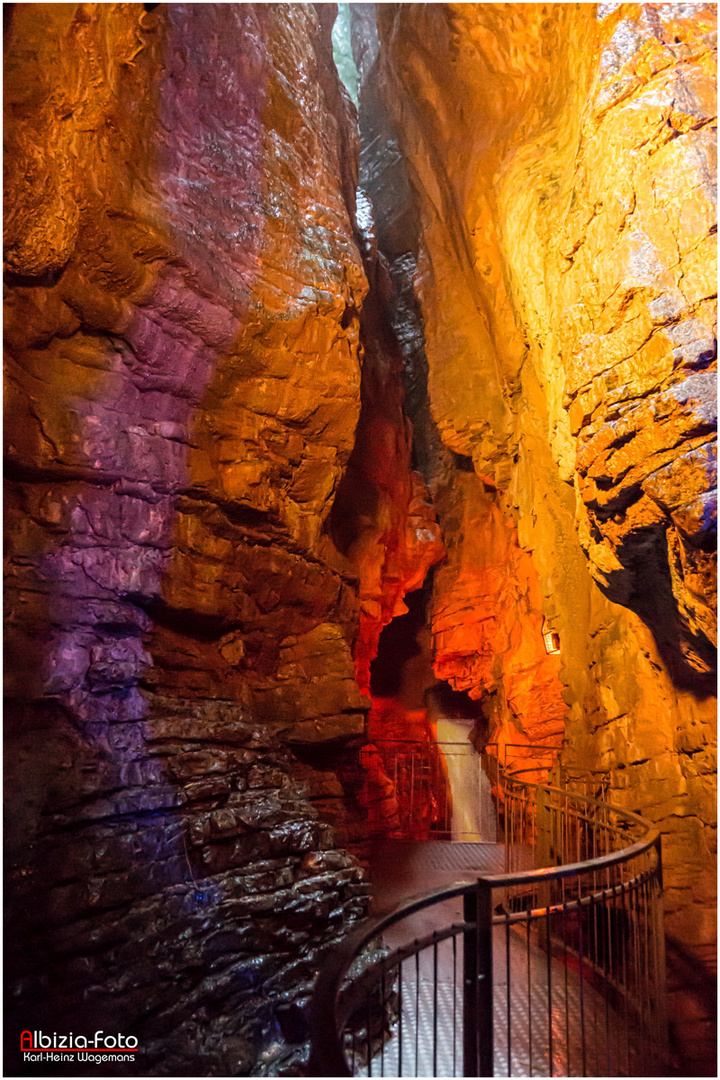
x=428 y=791
x=555 y=967
x=440 y=789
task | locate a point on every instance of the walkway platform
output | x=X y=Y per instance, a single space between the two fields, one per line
x=577 y=1029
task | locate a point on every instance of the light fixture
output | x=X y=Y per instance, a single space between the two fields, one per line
x=551 y=639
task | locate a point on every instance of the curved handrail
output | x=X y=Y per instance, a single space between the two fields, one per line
x=324 y=1018
x=566 y=794
x=323 y=1010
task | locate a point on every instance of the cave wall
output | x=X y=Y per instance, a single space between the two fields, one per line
x=184 y=287
x=562 y=256
x=215 y=498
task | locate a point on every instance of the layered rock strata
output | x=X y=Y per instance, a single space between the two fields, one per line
x=184 y=285
x=560 y=161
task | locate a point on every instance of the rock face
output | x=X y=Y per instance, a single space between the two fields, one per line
x=487 y=620
x=216 y=500
x=563 y=258
x=382 y=519
x=183 y=389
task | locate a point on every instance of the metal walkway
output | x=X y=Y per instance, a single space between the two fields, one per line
x=427 y=1040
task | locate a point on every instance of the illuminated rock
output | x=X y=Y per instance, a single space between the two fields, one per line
x=183 y=388
x=561 y=158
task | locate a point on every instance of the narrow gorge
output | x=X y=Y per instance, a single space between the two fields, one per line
x=360 y=375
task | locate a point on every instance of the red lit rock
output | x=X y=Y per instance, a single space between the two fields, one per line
x=405 y=788
x=487 y=619
x=382 y=519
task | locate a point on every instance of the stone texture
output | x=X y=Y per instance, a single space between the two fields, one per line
x=216 y=499
x=560 y=158
x=382 y=519
x=487 y=620
x=183 y=389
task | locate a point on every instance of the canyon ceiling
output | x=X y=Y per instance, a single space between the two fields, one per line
x=273 y=363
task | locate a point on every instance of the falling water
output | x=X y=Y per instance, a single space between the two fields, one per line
x=473 y=810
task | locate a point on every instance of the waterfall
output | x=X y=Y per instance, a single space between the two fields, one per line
x=473 y=810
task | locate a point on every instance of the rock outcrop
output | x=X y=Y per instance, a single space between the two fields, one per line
x=250 y=404
x=563 y=258
x=183 y=389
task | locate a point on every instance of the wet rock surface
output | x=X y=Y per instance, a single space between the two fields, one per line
x=183 y=389
x=249 y=406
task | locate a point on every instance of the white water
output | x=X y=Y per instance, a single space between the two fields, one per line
x=473 y=810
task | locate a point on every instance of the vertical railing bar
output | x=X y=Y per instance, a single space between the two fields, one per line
x=412 y=793
x=480 y=800
x=448 y=807
x=507 y=820
x=639 y=957
x=563 y=832
x=578 y=848
x=368 y=1041
x=607 y=999
x=454 y=997
x=417 y=1012
x=596 y=838
x=581 y=948
x=400 y=1018
x=509 y=992
x=632 y=930
x=611 y=956
x=644 y=979
x=623 y=934
x=567 y=1000
x=660 y=953
x=529 y=996
x=435 y=1004
x=649 y=968
x=592 y=921
x=549 y=985
x=470 y=984
x=382 y=1026
x=484 y=1002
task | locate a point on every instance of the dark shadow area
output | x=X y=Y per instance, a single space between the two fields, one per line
x=401 y=642
x=692 y=989
x=689 y=658
x=456 y=704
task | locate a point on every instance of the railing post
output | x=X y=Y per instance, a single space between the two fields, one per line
x=658 y=929
x=485 y=978
x=478 y=982
x=543 y=843
x=470 y=983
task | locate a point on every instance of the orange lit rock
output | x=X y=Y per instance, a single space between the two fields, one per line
x=487 y=620
x=562 y=160
x=589 y=198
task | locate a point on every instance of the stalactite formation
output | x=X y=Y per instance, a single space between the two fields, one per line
x=324 y=423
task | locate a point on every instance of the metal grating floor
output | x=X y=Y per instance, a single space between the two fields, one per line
x=428 y=1040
